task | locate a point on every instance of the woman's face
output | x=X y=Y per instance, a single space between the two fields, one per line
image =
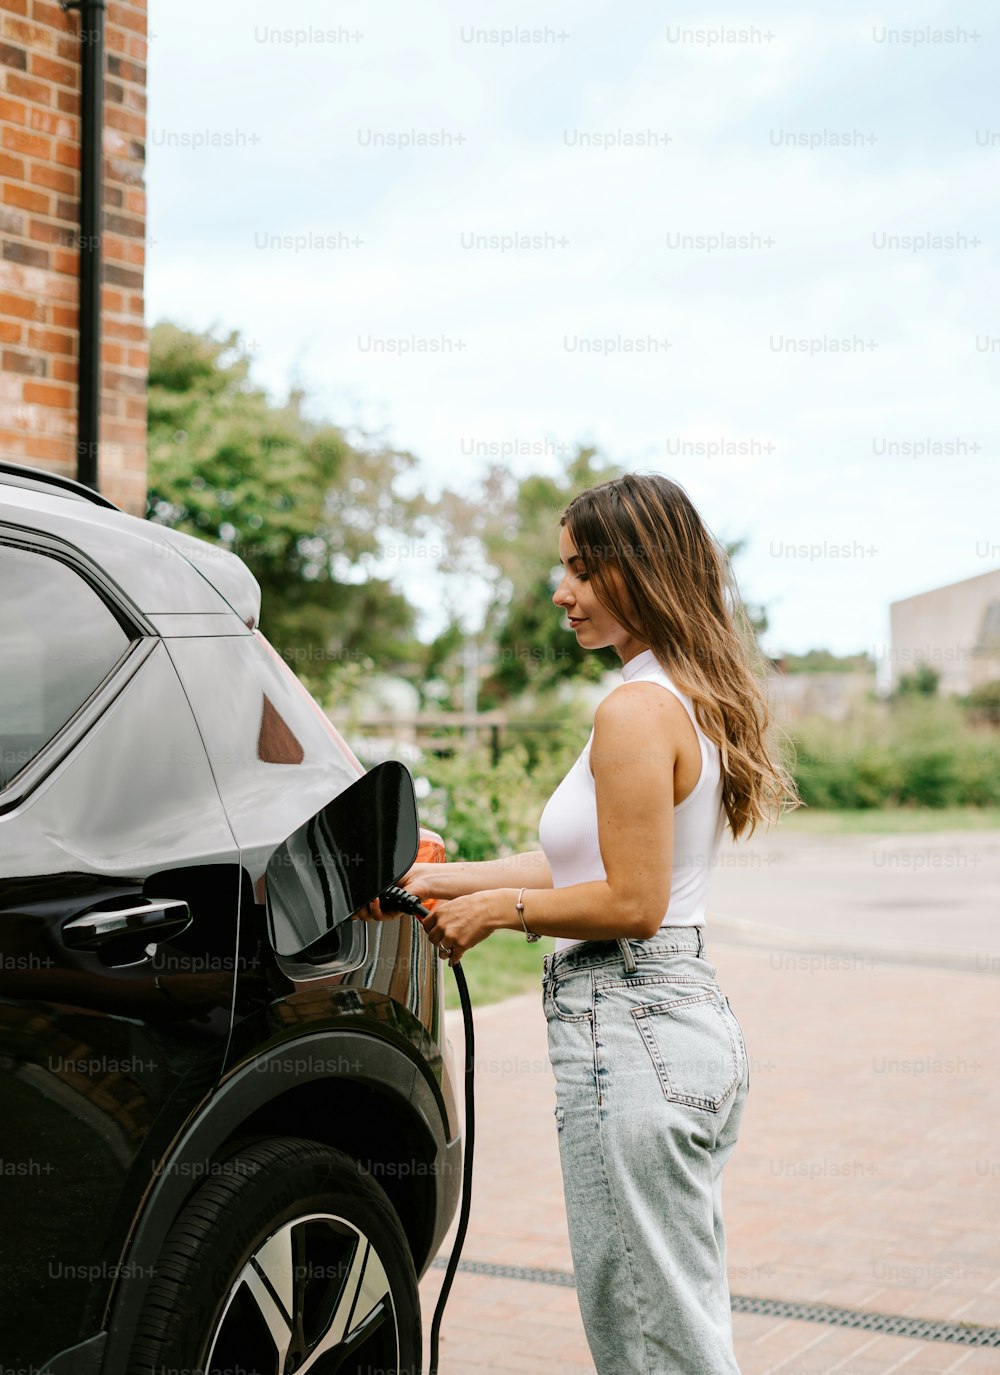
x=593 y=625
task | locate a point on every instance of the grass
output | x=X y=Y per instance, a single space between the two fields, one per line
x=499 y=967
x=876 y=820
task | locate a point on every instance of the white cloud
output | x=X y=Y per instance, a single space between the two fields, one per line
x=515 y=378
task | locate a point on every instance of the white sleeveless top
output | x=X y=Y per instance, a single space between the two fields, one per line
x=567 y=828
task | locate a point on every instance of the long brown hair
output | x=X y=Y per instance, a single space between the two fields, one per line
x=676 y=578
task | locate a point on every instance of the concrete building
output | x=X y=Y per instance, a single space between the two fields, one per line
x=955 y=630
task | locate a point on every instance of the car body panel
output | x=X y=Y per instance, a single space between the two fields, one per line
x=199 y=754
x=93 y=1054
x=274 y=762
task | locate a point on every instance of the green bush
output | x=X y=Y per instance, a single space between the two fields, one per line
x=978 y=772
x=487 y=812
x=930 y=776
x=919 y=753
x=915 y=752
x=983 y=703
x=856 y=779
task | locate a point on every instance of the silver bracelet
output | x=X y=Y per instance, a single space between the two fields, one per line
x=529 y=935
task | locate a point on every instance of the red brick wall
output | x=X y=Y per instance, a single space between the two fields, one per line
x=39 y=233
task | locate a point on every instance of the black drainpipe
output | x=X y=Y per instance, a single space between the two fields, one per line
x=88 y=404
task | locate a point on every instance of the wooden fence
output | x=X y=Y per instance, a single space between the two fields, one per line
x=423 y=730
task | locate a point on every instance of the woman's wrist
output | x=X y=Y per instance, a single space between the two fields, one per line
x=505 y=914
x=442 y=881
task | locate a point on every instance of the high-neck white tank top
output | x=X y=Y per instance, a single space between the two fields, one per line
x=567 y=828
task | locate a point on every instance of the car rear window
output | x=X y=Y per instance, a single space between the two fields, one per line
x=58 y=642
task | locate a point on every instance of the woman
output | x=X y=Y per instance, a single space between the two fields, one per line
x=650 y=1062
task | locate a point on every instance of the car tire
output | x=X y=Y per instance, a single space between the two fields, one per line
x=289 y=1249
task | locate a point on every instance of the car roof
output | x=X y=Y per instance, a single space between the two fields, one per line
x=41 y=480
x=161 y=570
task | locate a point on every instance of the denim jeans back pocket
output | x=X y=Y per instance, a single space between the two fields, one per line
x=743 y=1040
x=691 y=1043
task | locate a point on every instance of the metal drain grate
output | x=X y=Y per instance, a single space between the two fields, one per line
x=920 y=1329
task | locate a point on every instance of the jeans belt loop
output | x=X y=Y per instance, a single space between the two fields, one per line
x=628 y=955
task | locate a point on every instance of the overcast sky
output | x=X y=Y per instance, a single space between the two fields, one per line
x=723 y=268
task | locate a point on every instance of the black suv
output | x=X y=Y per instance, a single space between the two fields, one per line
x=229 y=1138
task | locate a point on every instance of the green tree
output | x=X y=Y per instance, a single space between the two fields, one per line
x=531 y=647
x=307 y=511
x=507 y=533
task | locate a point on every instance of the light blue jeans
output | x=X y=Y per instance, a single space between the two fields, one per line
x=652 y=1075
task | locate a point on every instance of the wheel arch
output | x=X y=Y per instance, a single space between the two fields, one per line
x=385 y=1112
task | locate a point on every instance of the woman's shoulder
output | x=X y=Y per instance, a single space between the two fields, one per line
x=634 y=699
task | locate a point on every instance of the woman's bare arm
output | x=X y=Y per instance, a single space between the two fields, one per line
x=634 y=751
x=455 y=879
x=637 y=728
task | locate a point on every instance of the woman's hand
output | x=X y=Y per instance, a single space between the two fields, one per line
x=456 y=925
x=417 y=880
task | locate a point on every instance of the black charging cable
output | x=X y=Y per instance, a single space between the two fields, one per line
x=398 y=899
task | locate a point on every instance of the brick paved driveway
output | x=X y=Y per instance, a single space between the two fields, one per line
x=867 y=1173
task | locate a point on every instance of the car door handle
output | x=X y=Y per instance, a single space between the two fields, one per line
x=162 y=917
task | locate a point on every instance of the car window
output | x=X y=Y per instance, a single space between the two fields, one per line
x=58 y=642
